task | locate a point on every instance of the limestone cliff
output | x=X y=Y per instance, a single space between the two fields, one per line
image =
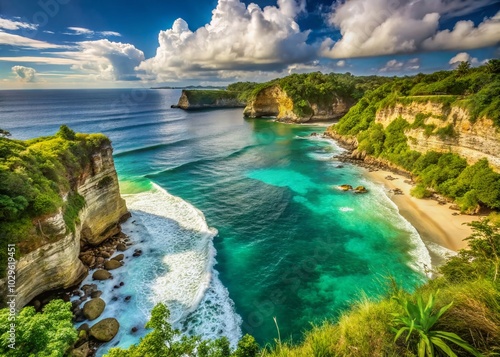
x=56 y=265
x=273 y=101
x=208 y=99
x=473 y=141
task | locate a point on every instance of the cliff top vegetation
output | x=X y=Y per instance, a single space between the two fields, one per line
x=35 y=175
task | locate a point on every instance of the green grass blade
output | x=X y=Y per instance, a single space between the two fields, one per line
x=443 y=346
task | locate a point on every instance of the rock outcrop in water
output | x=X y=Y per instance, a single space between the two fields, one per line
x=208 y=99
x=56 y=264
x=274 y=102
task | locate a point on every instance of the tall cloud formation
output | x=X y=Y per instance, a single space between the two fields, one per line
x=238 y=38
x=382 y=27
x=108 y=60
x=24 y=74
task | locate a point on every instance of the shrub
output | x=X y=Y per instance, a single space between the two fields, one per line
x=47 y=334
x=420 y=191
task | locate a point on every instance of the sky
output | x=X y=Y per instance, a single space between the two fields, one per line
x=129 y=44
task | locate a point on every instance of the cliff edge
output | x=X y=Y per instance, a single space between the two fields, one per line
x=208 y=99
x=274 y=102
x=87 y=210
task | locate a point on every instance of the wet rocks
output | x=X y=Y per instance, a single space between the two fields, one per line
x=105 y=330
x=101 y=275
x=93 y=308
x=82 y=351
x=345 y=187
x=112 y=264
x=360 y=189
x=121 y=247
x=118 y=257
x=137 y=253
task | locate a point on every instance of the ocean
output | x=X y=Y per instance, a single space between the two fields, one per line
x=240 y=220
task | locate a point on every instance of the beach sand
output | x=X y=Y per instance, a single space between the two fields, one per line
x=435 y=223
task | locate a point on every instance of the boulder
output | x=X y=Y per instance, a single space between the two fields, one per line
x=82 y=351
x=84 y=327
x=360 y=189
x=101 y=275
x=118 y=257
x=345 y=187
x=121 y=247
x=93 y=308
x=96 y=294
x=105 y=330
x=112 y=264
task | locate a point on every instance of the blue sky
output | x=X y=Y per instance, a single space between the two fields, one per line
x=111 y=43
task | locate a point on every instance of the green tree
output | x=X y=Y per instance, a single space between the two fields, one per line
x=247 y=347
x=493 y=66
x=160 y=341
x=463 y=68
x=419 y=320
x=66 y=133
x=47 y=334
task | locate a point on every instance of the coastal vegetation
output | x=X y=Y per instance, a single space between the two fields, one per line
x=49 y=333
x=307 y=88
x=35 y=175
x=208 y=97
x=456 y=314
x=472 y=186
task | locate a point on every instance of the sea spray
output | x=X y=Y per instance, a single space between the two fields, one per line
x=176 y=268
x=198 y=301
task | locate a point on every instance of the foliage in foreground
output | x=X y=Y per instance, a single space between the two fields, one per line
x=164 y=341
x=47 y=334
x=468 y=282
x=419 y=320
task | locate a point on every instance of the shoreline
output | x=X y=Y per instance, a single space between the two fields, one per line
x=435 y=223
x=438 y=226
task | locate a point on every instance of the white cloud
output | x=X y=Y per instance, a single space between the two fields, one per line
x=7 y=24
x=25 y=42
x=24 y=74
x=463 y=57
x=109 y=33
x=82 y=31
x=238 y=38
x=107 y=60
x=466 y=36
x=399 y=66
x=41 y=60
x=341 y=63
x=392 y=65
x=381 y=27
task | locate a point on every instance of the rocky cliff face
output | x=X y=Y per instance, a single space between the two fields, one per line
x=473 y=141
x=56 y=265
x=274 y=102
x=207 y=99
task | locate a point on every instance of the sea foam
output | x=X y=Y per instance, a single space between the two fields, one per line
x=189 y=286
x=176 y=268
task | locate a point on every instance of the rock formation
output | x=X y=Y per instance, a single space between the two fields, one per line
x=56 y=264
x=208 y=99
x=472 y=141
x=274 y=102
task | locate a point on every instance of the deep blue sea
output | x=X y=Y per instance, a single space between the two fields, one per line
x=240 y=220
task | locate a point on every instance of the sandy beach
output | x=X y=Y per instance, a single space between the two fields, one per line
x=434 y=222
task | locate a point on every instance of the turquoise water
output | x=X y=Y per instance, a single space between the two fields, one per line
x=290 y=245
